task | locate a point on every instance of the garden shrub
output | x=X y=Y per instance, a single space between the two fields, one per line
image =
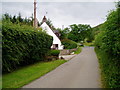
x=54 y=52
x=22 y=45
x=69 y=44
x=52 y=55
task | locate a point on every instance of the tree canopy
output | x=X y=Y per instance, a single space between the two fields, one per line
x=17 y=19
x=80 y=32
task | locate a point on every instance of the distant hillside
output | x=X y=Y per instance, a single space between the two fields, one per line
x=97 y=29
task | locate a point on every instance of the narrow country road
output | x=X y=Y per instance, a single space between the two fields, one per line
x=80 y=72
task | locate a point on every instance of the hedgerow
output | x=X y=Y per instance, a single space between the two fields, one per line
x=108 y=50
x=22 y=45
x=69 y=44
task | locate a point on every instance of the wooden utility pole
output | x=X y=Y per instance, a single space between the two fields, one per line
x=62 y=27
x=35 y=19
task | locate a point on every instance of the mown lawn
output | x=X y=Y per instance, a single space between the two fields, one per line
x=27 y=74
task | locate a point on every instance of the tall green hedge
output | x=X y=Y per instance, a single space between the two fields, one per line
x=108 y=50
x=22 y=45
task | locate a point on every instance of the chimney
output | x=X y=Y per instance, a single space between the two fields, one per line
x=44 y=19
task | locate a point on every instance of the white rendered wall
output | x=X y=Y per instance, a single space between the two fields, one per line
x=56 y=40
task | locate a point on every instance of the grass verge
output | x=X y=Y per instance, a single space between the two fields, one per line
x=78 y=50
x=103 y=81
x=27 y=74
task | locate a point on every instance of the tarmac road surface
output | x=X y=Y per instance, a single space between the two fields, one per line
x=82 y=71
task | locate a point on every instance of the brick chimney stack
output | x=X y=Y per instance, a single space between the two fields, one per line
x=44 y=19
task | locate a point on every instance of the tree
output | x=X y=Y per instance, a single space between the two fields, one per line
x=6 y=17
x=64 y=33
x=50 y=24
x=19 y=18
x=79 y=32
x=32 y=20
x=14 y=19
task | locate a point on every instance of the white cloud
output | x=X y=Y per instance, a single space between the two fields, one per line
x=60 y=0
x=63 y=13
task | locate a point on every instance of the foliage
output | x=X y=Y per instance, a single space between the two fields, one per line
x=97 y=29
x=64 y=33
x=18 y=19
x=49 y=23
x=108 y=49
x=69 y=44
x=22 y=45
x=79 y=49
x=30 y=73
x=80 y=32
x=89 y=44
x=54 y=52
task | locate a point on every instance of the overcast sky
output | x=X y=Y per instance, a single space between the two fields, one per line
x=63 y=13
